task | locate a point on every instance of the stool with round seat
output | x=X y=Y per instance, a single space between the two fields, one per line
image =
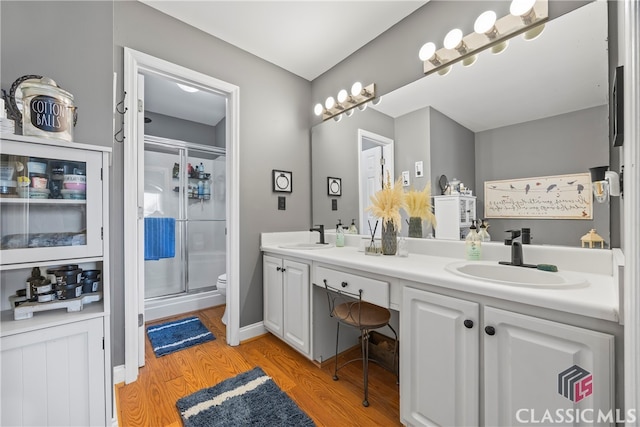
x=349 y=309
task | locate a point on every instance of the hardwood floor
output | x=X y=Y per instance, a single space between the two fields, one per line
x=150 y=401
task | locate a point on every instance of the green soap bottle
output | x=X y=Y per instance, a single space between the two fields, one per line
x=473 y=244
x=339 y=234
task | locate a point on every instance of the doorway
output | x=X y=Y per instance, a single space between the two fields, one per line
x=375 y=154
x=139 y=65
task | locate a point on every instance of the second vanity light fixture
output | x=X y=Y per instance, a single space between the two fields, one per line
x=346 y=102
x=526 y=16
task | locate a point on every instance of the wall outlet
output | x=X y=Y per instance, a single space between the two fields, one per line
x=405 y=178
x=419 y=170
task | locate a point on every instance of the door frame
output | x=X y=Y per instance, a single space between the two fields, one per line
x=387 y=152
x=134 y=63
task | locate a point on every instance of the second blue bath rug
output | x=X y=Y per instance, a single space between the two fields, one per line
x=177 y=335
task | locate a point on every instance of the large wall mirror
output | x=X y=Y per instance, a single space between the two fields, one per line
x=539 y=108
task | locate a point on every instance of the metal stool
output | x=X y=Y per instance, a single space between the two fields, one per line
x=349 y=309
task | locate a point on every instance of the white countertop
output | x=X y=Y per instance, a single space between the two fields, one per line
x=598 y=300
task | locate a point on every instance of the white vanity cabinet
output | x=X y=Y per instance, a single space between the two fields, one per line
x=454 y=215
x=439 y=368
x=533 y=365
x=529 y=364
x=286 y=301
x=55 y=360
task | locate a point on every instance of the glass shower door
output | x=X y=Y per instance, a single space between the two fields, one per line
x=163 y=204
x=206 y=222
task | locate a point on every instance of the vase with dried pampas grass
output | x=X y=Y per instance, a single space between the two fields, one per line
x=418 y=208
x=386 y=205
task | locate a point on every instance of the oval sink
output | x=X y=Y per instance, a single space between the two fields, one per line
x=306 y=246
x=516 y=276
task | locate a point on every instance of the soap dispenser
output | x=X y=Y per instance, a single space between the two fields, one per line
x=352 y=228
x=339 y=234
x=473 y=243
x=483 y=233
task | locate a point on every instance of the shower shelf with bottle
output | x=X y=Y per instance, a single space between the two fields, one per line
x=198 y=182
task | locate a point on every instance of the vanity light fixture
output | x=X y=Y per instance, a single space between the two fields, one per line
x=346 y=102
x=605 y=183
x=526 y=17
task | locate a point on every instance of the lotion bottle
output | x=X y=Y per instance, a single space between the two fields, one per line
x=473 y=244
x=339 y=235
x=352 y=228
x=483 y=233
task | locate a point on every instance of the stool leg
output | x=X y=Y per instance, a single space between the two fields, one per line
x=365 y=365
x=335 y=372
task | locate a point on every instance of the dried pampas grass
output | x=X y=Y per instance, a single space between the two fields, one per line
x=386 y=203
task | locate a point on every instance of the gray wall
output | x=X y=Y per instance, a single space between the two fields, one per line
x=182 y=130
x=334 y=150
x=412 y=145
x=565 y=144
x=453 y=152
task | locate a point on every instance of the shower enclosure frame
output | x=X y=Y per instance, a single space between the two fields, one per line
x=167 y=304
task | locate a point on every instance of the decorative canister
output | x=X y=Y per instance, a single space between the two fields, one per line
x=47 y=110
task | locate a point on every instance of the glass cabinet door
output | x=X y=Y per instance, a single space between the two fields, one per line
x=50 y=201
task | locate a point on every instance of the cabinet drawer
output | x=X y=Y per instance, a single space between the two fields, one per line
x=373 y=291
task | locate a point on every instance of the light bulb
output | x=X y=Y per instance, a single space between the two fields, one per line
x=500 y=47
x=469 y=60
x=427 y=51
x=318 y=109
x=337 y=118
x=186 y=88
x=521 y=7
x=444 y=71
x=362 y=106
x=356 y=89
x=533 y=33
x=376 y=101
x=485 y=23
x=329 y=103
x=350 y=112
x=342 y=96
x=453 y=38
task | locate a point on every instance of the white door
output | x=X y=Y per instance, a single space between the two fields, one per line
x=371 y=182
x=439 y=351
x=296 y=305
x=272 y=294
x=534 y=365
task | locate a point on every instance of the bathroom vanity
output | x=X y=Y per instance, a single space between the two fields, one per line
x=475 y=348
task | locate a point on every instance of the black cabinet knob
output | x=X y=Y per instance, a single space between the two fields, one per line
x=344 y=284
x=284 y=269
x=468 y=323
x=490 y=330
x=278 y=268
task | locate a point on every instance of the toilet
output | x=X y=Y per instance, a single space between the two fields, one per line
x=221 y=284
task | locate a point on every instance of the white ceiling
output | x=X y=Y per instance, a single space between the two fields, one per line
x=304 y=37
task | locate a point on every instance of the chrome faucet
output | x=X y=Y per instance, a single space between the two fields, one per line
x=516 y=241
x=319 y=229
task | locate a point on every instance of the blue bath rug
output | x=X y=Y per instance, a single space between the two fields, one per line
x=248 y=399
x=177 y=335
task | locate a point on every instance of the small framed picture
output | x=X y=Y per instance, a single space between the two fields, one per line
x=334 y=186
x=282 y=181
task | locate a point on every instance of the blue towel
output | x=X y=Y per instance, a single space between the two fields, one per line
x=159 y=238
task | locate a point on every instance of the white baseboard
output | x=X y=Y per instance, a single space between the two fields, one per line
x=118 y=377
x=167 y=307
x=252 y=331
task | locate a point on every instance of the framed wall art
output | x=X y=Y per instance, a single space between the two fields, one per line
x=334 y=186
x=282 y=181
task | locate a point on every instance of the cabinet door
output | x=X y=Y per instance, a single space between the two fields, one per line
x=439 y=364
x=535 y=367
x=272 y=294
x=296 y=305
x=57 y=214
x=54 y=376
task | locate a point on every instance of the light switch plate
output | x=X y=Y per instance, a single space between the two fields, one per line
x=419 y=170
x=405 y=178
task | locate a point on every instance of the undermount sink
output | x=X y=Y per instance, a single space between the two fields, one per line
x=516 y=276
x=306 y=246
